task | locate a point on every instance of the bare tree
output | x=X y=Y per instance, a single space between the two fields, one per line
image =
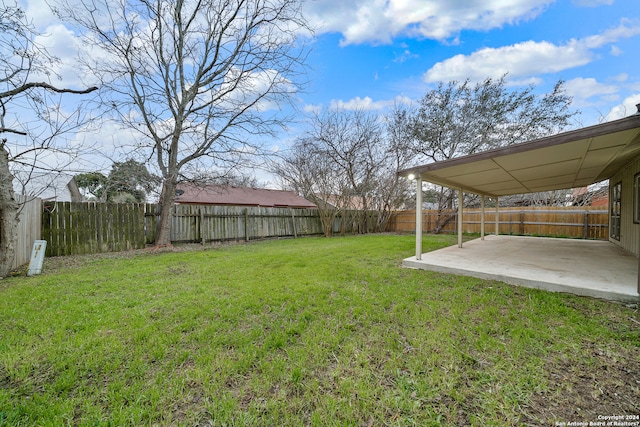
x=196 y=78
x=231 y=178
x=306 y=169
x=392 y=191
x=459 y=118
x=347 y=163
x=35 y=144
x=353 y=141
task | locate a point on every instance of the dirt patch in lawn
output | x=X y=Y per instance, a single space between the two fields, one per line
x=588 y=386
x=54 y=264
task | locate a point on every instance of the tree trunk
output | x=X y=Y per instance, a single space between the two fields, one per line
x=8 y=215
x=365 y=213
x=166 y=202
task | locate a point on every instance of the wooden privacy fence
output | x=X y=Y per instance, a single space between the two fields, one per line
x=72 y=228
x=583 y=222
x=205 y=223
x=83 y=228
x=30 y=217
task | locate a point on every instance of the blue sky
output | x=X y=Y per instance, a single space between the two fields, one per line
x=373 y=53
x=400 y=50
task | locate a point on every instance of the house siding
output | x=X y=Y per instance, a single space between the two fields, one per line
x=629 y=231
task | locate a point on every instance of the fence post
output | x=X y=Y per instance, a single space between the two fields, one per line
x=455 y=223
x=202 y=236
x=246 y=224
x=522 y=223
x=586 y=224
x=428 y=224
x=293 y=224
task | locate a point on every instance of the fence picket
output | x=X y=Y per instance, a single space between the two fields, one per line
x=546 y=221
x=29 y=229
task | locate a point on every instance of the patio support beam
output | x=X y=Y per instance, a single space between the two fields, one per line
x=482 y=217
x=418 y=218
x=497 y=216
x=460 y=200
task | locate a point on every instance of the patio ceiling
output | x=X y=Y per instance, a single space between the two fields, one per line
x=567 y=160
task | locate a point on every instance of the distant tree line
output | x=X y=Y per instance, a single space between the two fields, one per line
x=349 y=159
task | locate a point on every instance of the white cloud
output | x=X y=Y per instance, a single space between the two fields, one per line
x=405 y=56
x=358 y=103
x=369 y=104
x=527 y=58
x=379 y=21
x=626 y=108
x=615 y=51
x=521 y=59
x=39 y=13
x=627 y=28
x=622 y=77
x=310 y=108
x=581 y=89
x=586 y=88
x=62 y=43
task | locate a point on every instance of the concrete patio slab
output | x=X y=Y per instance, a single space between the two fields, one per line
x=583 y=267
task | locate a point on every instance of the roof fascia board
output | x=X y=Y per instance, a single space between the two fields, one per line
x=549 y=141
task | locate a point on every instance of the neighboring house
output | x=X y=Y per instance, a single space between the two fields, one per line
x=47 y=186
x=583 y=196
x=239 y=196
x=600 y=201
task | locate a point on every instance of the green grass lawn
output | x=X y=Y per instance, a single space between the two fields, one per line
x=313 y=331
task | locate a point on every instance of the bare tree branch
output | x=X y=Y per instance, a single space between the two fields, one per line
x=41 y=141
x=28 y=86
x=198 y=79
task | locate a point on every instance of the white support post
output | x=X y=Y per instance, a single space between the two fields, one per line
x=497 y=217
x=460 y=200
x=418 y=218
x=482 y=217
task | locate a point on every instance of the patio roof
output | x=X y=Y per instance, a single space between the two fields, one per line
x=566 y=160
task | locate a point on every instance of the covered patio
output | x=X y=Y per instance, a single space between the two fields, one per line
x=603 y=269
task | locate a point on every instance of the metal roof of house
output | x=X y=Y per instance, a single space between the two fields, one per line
x=566 y=160
x=240 y=196
x=45 y=185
